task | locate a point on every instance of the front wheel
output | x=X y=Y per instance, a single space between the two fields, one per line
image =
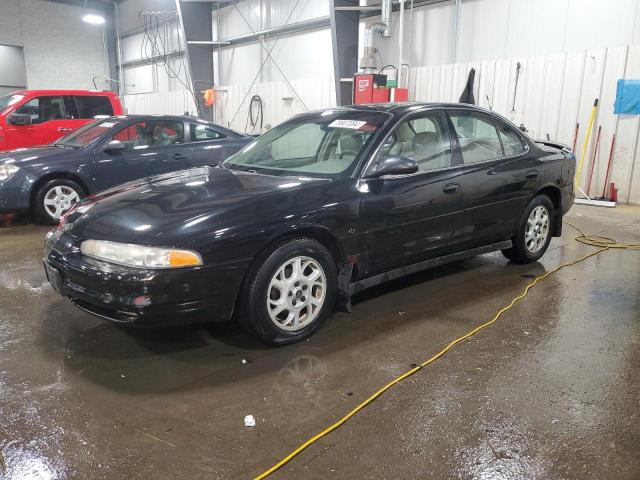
x=55 y=198
x=292 y=292
x=534 y=231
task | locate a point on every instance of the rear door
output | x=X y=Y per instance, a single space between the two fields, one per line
x=82 y=109
x=49 y=119
x=152 y=146
x=496 y=175
x=418 y=216
x=211 y=145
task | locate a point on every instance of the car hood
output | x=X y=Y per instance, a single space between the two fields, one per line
x=173 y=209
x=26 y=157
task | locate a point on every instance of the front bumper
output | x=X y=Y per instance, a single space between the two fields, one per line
x=15 y=193
x=141 y=297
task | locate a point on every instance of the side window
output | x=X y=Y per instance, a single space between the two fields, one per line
x=511 y=141
x=422 y=139
x=134 y=136
x=142 y=135
x=44 y=109
x=478 y=137
x=90 y=106
x=202 y=133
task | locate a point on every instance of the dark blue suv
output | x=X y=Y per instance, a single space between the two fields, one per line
x=48 y=180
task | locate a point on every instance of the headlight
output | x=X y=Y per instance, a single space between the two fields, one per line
x=7 y=171
x=139 y=255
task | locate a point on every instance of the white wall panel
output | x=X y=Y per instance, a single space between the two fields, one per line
x=591 y=86
x=627 y=139
x=279 y=102
x=176 y=102
x=486 y=81
x=613 y=70
x=554 y=93
x=597 y=23
x=532 y=91
x=536 y=27
x=551 y=95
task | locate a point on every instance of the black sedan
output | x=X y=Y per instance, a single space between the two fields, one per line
x=110 y=151
x=319 y=207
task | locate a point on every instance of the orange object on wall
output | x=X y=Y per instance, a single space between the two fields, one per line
x=209 y=97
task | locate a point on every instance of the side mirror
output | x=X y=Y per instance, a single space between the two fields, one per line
x=393 y=165
x=114 y=146
x=19 y=119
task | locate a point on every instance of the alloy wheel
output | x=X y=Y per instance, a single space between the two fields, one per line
x=296 y=293
x=537 y=229
x=59 y=199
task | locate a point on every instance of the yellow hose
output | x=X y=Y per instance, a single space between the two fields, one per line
x=603 y=244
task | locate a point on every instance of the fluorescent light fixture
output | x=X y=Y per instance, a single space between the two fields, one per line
x=93 y=19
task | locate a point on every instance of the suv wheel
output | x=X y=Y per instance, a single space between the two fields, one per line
x=55 y=198
x=534 y=231
x=292 y=292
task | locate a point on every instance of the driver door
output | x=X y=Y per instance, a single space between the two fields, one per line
x=418 y=216
x=152 y=147
x=49 y=122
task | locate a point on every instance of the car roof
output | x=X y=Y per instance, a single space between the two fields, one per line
x=64 y=92
x=178 y=118
x=401 y=108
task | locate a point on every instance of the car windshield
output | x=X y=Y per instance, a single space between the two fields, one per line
x=8 y=100
x=322 y=145
x=87 y=134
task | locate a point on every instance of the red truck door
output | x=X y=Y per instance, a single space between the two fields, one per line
x=48 y=122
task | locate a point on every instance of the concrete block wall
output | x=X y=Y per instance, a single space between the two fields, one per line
x=60 y=50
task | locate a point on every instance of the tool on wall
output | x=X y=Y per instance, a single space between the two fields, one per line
x=586 y=200
x=606 y=175
x=467 y=94
x=575 y=138
x=515 y=89
x=593 y=160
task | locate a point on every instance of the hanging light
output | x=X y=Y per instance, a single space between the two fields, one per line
x=93 y=19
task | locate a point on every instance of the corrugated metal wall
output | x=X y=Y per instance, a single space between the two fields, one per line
x=554 y=93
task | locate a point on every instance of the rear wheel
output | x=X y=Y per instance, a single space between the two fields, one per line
x=534 y=231
x=55 y=198
x=292 y=292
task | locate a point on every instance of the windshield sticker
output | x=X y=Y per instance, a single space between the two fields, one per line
x=352 y=124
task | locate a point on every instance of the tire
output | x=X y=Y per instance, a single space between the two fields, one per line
x=534 y=231
x=280 y=307
x=54 y=198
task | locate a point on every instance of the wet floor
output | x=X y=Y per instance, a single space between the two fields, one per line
x=549 y=392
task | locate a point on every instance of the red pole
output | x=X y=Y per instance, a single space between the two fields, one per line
x=606 y=177
x=593 y=160
x=575 y=138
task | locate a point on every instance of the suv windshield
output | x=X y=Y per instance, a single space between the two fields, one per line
x=87 y=134
x=8 y=100
x=323 y=145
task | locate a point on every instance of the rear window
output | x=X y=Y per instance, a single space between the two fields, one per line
x=91 y=106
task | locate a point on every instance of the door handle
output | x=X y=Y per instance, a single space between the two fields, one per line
x=532 y=174
x=452 y=188
x=177 y=155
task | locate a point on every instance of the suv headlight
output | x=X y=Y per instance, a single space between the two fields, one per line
x=139 y=255
x=7 y=171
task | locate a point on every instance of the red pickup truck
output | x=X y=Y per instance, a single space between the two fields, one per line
x=38 y=117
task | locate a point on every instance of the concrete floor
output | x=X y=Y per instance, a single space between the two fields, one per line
x=549 y=392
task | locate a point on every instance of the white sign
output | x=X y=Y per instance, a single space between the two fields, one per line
x=352 y=124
